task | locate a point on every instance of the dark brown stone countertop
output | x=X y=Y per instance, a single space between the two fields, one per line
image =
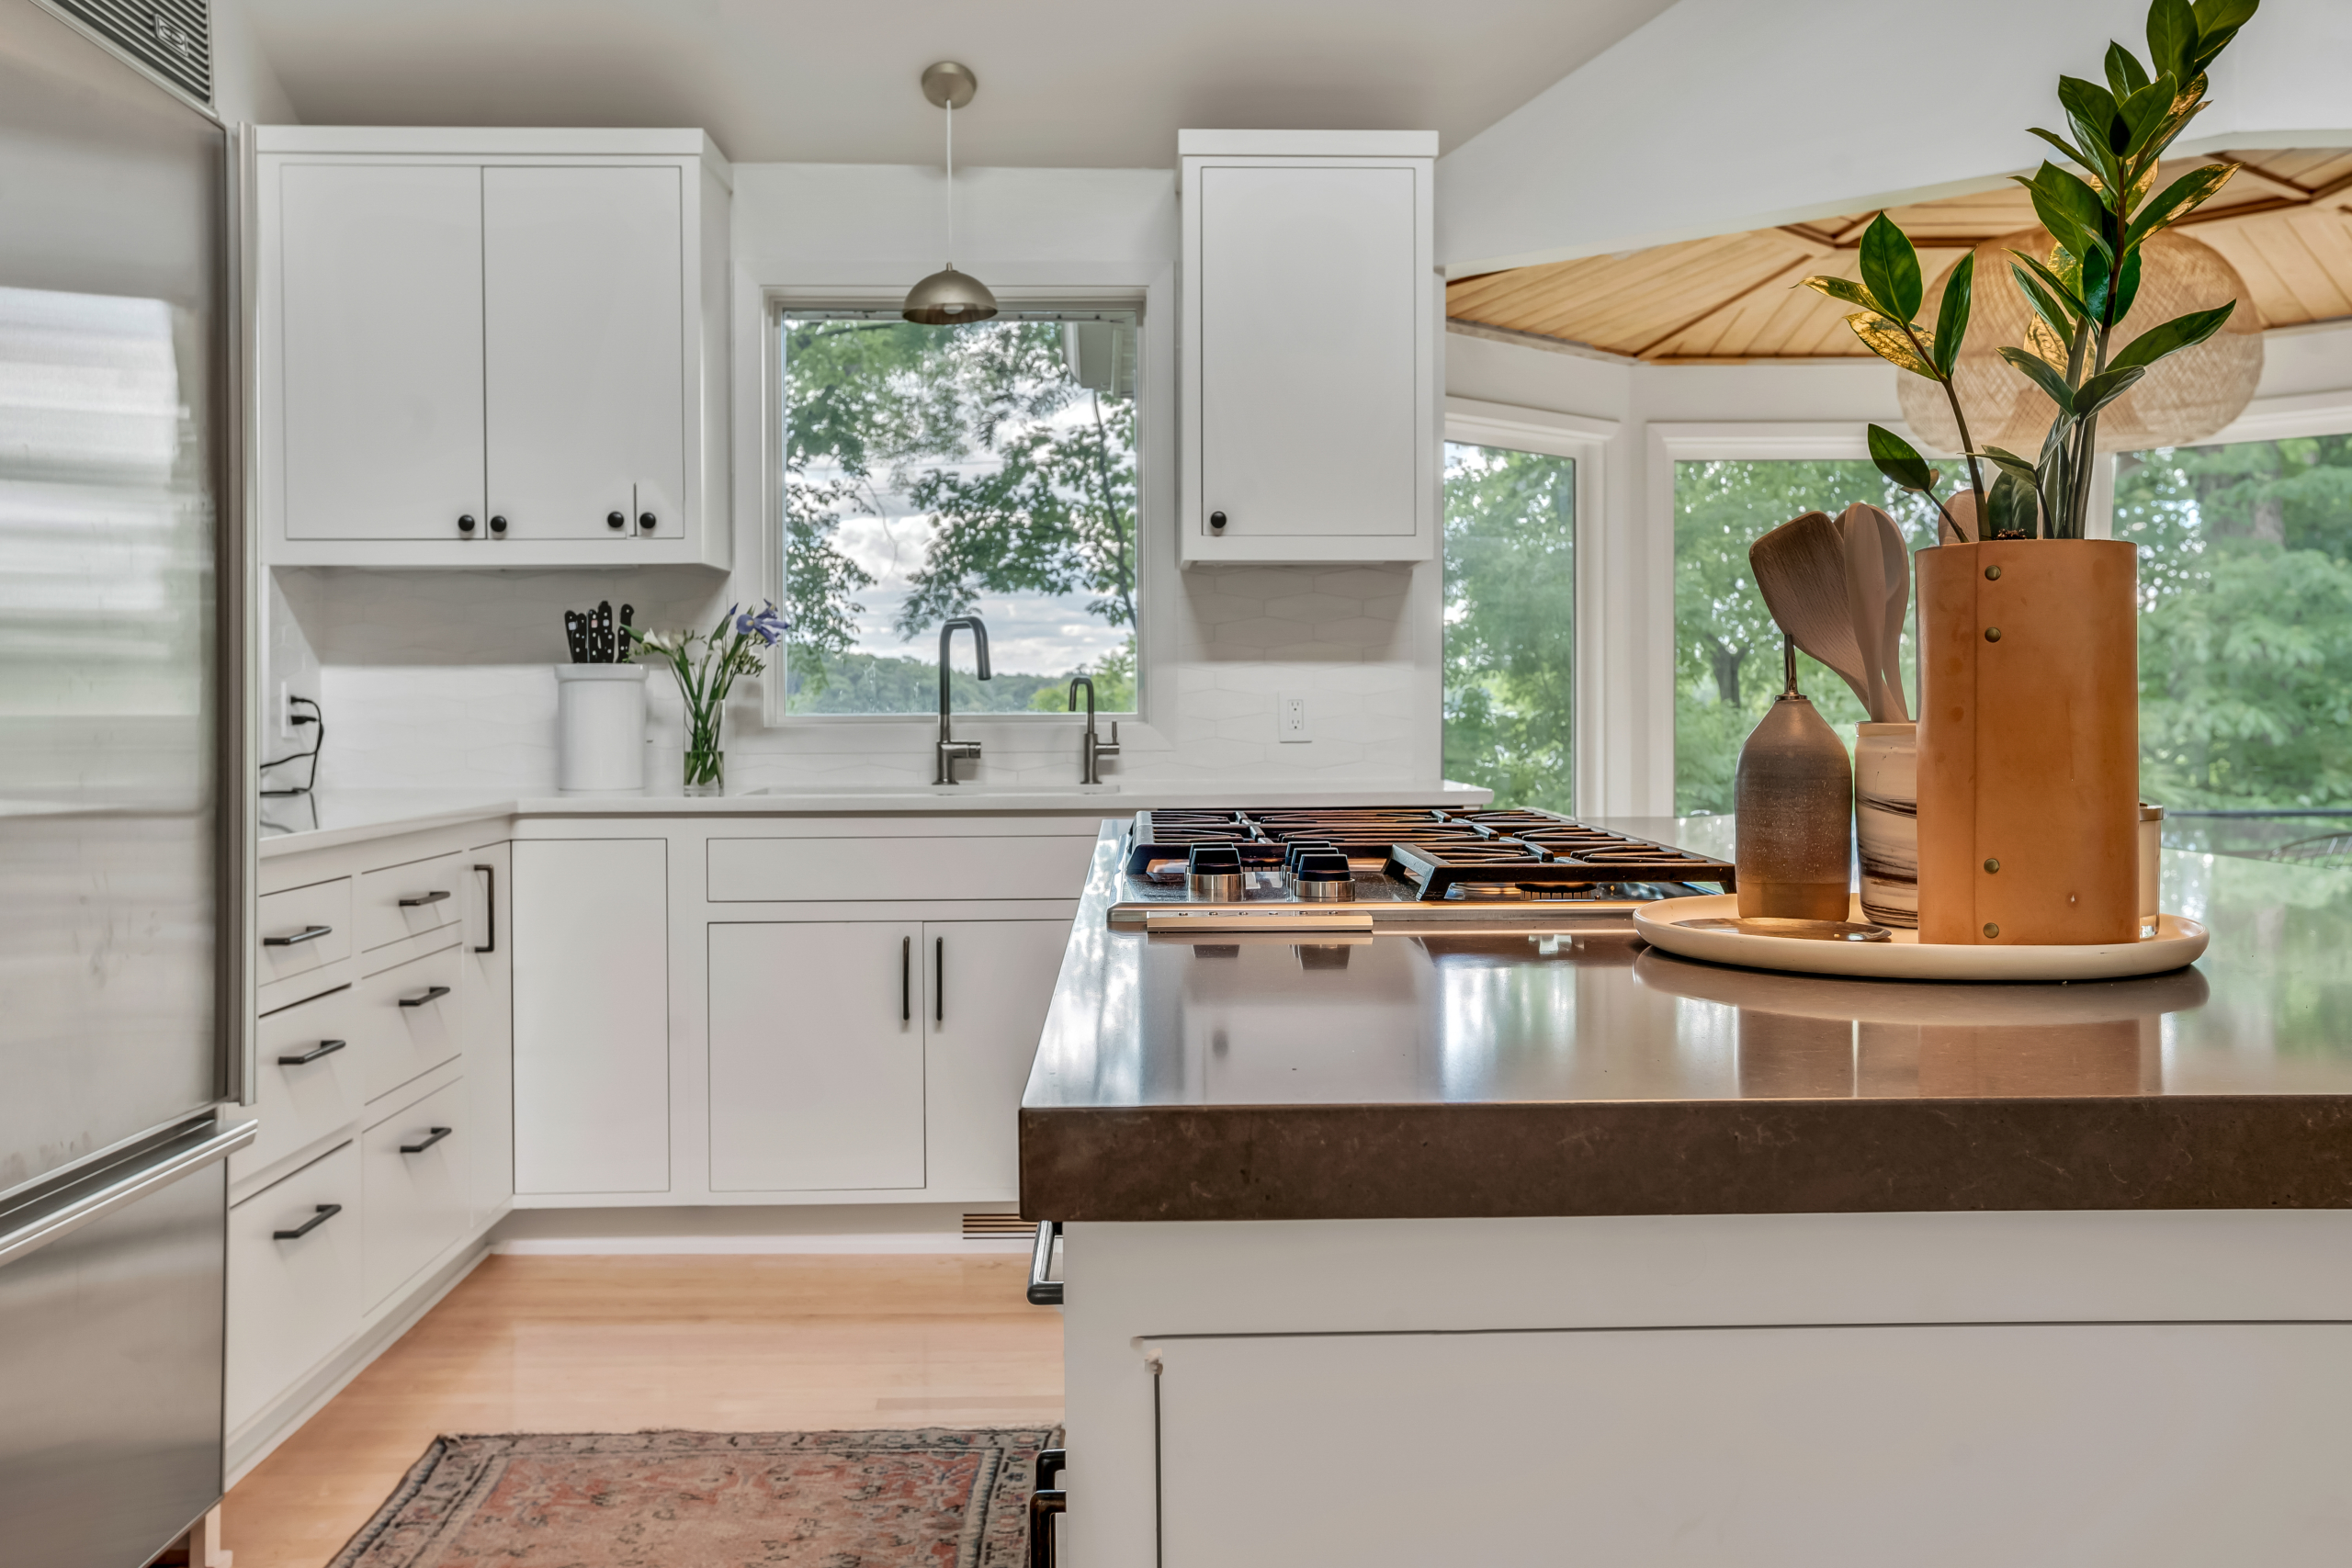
x=1493 y=1075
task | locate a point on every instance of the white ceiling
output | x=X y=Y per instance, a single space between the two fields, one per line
x=1063 y=83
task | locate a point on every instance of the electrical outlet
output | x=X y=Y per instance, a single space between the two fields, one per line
x=1290 y=719
x=285 y=710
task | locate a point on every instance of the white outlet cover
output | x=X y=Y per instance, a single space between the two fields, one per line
x=1290 y=719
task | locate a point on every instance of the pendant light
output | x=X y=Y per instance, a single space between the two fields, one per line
x=948 y=298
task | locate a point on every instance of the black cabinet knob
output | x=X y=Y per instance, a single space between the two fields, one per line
x=466 y=524
x=646 y=520
x=615 y=520
x=1216 y=520
x=498 y=524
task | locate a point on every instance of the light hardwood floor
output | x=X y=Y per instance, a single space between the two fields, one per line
x=626 y=1344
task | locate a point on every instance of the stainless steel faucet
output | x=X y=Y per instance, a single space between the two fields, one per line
x=950 y=749
x=1091 y=751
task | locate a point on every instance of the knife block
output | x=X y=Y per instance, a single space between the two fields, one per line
x=600 y=728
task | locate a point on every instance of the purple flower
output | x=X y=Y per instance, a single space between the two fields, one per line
x=766 y=623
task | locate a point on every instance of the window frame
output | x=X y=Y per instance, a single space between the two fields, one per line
x=1471 y=422
x=779 y=301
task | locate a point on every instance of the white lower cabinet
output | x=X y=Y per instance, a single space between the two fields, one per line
x=309 y=1079
x=488 y=989
x=414 y=1181
x=872 y=1055
x=591 y=1016
x=816 y=1057
x=294 y=1279
x=409 y=1018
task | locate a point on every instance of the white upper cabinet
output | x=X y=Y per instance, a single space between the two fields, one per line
x=1311 y=367
x=492 y=348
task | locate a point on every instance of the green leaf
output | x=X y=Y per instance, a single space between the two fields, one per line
x=1891 y=341
x=2010 y=507
x=2096 y=280
x=2009 y=462
x=2073 y=153
x=2172 y=38
x=2054 y=474
x=2217 y=23
x=2099 y=125
x=2145 y=110
x=2067 y=207
x=1891 y=269
x=1951 y=316
x=2097 y=391
x=1843 y=289
x=2127 y=284
x=2044 y=376
x=2051 y=298
x=2181 y=332
x=2177 y=200
x=1900 y=461
x=2125 y=74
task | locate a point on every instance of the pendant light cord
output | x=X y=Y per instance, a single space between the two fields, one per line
x=951 y=186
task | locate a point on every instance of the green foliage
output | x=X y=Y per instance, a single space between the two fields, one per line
x=2246 y=630
x=1510 y=624
x=1114 y=675
x=1727 y=651
x=1029 y=478
x=869 y=682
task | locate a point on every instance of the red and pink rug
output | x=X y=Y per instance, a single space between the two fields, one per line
x=932 y=1497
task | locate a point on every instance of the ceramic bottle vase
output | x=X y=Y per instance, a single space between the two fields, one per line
x=1794 y=796
x=1887 y=821
x=2029 y=743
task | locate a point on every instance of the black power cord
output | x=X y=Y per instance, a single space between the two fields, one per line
x=318 y=716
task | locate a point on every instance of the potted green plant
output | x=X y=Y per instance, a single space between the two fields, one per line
x=2029 y=700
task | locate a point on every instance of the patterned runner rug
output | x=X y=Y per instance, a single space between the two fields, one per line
x=932 y=1497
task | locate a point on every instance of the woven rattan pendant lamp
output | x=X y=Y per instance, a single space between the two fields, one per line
x=948 y=298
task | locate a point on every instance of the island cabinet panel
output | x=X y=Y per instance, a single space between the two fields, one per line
x=816 y=1055
x=379 y=351
x=584 y=376
x=1310 y=346
x=1948 y=1445
x=989 y=983
x=590 y=1015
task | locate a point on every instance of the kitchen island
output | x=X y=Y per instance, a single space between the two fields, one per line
x=1510 y=1245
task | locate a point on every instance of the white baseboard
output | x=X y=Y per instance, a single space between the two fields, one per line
x=702 y=1245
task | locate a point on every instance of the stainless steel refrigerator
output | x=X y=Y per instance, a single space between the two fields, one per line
x=120 y=775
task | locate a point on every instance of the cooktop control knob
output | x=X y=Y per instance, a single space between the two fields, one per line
x=1213 y=873
x=1323 y=877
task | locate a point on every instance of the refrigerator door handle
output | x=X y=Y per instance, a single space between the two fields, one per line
x=178 y=1158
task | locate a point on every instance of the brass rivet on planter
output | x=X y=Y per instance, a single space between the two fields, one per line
x=1992 y=929
x=1992 y=866
x=1992 y=574
x=1992 y=634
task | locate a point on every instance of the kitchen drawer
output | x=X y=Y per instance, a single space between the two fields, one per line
x=414 y=1179
x=301 y=1102
x=303 y=931
x=402 y=901
x=837 y=870
x=292 y=1300
x=403 y=1027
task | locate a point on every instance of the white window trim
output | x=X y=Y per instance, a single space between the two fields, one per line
x=775 y=301
x=1476 y=424
x=2287 y=418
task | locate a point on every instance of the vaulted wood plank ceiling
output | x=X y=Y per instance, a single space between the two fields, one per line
x=2284 y=222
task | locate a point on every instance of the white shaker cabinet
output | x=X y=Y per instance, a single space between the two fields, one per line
x=991 y=982
x=1310 y=333
x=591 y=1016
x=497 y=348
x=488 y=967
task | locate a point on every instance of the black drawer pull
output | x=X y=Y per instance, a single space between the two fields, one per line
x=432 y=994
x=1045 y=1292
x=490 y=906
x=324 y=1212
x=432 y=1136
x=308 y=933
x=939 y=983
x=323 y=1048
x=424 y=898
x=906 y=979
x=1044 y=1503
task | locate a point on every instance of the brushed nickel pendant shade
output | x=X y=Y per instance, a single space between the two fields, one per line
x=949 y=297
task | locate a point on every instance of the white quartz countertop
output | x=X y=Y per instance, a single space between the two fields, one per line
x=328 y=817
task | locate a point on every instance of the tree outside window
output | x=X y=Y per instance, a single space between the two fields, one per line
x=1510 y=624
x=931 y=472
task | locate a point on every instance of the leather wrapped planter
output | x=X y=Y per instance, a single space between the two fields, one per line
x=2029 y=743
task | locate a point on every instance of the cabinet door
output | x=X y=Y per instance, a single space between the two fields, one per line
x=1311 y=364
x=489 y=1025
x=413 y=1185
x=987 y=985
x=816 y=1057
x=380 y=351
x=585 y=351
x=592 y=1015
x=292 y=1299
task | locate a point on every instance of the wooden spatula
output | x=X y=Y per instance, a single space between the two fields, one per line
x=1801 y=569
x=1877 y=591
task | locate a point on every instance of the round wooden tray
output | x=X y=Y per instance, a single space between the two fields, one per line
x=2179 y=941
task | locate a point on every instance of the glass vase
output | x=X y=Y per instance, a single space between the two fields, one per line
x=706 y=767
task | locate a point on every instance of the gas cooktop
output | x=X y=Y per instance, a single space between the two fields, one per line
x=1357 y=867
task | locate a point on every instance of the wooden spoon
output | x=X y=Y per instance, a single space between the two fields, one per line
x=1800 y=568
x=1877 y=584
